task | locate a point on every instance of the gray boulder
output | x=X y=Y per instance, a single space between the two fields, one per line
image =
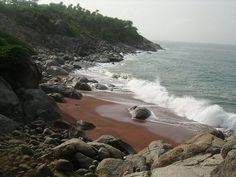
x=82 y=86
x=82 y=161
x=113 y=152
x=65 y=91
x=36 y=103
x=71 y=147
x=63 y=165
x=52 y=63
x=101 y=87
x=7 y=125
x=116 y=143
x=57 y=71
x=139 y=112
x=9 y=102
x=57 y=97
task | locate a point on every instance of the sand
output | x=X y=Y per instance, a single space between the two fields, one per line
x=137 y=133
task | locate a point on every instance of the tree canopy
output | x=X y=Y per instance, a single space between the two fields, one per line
x=71 y=20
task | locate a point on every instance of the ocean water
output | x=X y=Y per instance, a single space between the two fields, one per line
x=195 y=81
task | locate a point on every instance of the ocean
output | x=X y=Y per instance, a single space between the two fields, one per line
x=195 y=81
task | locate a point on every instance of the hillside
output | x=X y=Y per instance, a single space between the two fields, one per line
x=70 y=28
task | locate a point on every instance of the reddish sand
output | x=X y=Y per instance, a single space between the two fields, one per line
x=139 y=136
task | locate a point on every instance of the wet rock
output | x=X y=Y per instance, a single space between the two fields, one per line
x=47 y=131
x=139 y=112
x=82 y=86
x=65 y=91
x=227 y=147
x=63 y=165
x=101 y=87
x=84 y=125
x=116 y=143
x=57 y=71
x=57 y=97
x=52 y=63
x=50 y=140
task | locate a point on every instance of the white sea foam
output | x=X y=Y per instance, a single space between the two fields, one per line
x=199 y=110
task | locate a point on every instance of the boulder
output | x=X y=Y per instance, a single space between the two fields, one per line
x=154 y=150
x=7 y=125
x=226 y=168
x=82 y=161
x=101 y=87
x=71 y=147
x=36 y=103
x=113 y=152
x=116 y=143
x=52 y=63
x=139 y=112
x=57 y=97
x=43 y=171
x=84 y=125
x=20 y=72
x=9 y=102
x=65 y=91
x=227 y=147
x=203 y=142
x=57 y=71
x=63 y=165
x=117 y=167
x=82 y=86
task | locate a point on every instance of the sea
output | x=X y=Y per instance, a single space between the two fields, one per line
x=192 y=80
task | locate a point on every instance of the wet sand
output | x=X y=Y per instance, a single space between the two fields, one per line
x=113 y=119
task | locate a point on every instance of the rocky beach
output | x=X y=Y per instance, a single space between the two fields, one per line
x=54 y=123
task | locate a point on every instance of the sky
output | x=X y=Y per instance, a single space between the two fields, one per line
x=202 y=21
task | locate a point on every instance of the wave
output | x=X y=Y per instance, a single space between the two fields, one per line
x=187 y=106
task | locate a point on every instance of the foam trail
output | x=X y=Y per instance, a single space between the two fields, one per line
x=187 y=106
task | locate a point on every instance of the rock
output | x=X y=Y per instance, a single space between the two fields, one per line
x=154 y=150
x=56 y=71
x=81 y=172
x=82 y=86
x=52 y=63
x=227 y=147
x=44 y=171
x=20 y=72
x=82 y=161
x=226 y=168
x=93 y=81
x=77 y=132
x=101 y=87
x=26 y=150
x=84 y=125
x=139 y=112
x=57 y=97
x=116 y=143
x=72 y=146
x=63 y=165
x=83 y=79
x=7 y=125
x=50 y=140
x=9 y=102
x=37 y=104
x=65 y=91
x=67 y=67
x=90 y=174
x=113 y=152
x=61 y=124
x=47 y=131
x=203 y=142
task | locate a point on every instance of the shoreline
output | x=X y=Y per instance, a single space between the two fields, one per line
x=111 y=119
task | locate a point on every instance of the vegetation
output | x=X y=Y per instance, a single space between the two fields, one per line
x=12 y=47
x=72 y=21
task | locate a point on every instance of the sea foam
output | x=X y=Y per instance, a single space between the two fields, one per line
x=187 y=106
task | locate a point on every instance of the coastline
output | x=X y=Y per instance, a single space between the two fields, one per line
x=113 y=119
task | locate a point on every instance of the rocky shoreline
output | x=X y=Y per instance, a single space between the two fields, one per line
x=37 y=142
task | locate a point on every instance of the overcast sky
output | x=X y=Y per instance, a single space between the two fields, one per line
x=207 y=21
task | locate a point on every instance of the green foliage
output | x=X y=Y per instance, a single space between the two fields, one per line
x=12 y=47
x=70 y=21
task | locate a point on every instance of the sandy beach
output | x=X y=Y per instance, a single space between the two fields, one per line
x=117 y=122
